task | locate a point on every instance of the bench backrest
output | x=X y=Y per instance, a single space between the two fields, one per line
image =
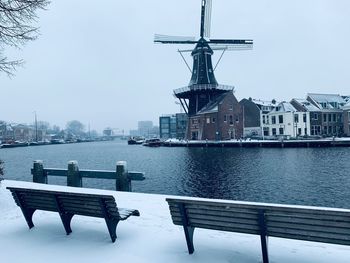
x=75 y=203
x=302 y=223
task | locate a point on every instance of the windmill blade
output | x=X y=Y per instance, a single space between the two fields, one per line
x=235 y=47
x=231 y=41
x=207 y=18
x=165 y=39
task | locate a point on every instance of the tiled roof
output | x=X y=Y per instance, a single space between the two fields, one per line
x=326 y=98
x=284 y=107
x=307 y=105
x=213 y=105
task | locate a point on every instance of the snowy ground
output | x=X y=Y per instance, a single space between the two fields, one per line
x=152 y=237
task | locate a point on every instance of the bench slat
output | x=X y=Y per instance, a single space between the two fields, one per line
x=301 y=223
x=227 y=206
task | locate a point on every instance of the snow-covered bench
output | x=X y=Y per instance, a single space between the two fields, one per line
x=325 y=225
x=69 y=204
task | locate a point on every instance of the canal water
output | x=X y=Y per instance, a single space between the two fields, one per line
x=304 y=176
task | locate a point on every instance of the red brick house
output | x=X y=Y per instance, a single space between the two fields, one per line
x=220 y=119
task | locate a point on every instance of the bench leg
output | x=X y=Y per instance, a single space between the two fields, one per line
x=28 y=215
x=66 y=218
x=189 y=238
x=263 y=236
x=112 y=228
x=187 y=229
x=265 y=254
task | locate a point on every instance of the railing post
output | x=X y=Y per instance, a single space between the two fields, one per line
x=73 y=176
x=39 y=176
x=123 y=182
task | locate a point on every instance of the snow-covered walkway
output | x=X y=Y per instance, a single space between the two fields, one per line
x=152 y=237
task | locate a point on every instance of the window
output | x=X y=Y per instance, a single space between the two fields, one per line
x=329 y=117
x=280 y=118
x=304 y=117
x=296 y=118
x=315 y=130
x=334 y=129
x=273 y=131
x=324 y=129
x=324 y=117
x=225 y=118
x=334 y=117
x=273 y=119
x=213 y=120
x=299 y=131
x=329 y=129
x=281 y=131
x=231 y=107
x=231 y=120
x=208 y=120
x=315 y=116
x=266 y=131
x=237 y=119
x=305 y=131
x=264 y=119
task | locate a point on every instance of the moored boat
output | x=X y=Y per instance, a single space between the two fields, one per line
x=153 y=142
x=136 y=140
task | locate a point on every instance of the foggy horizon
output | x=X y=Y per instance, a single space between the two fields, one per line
x=99 y=65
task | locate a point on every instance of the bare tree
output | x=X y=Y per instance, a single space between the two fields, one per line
x=16 y=27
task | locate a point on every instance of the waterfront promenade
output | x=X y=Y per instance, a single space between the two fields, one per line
x=152 y=237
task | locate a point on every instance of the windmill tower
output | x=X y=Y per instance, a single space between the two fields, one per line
x=203 y=86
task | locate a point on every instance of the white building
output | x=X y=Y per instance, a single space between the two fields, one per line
x=286 y=121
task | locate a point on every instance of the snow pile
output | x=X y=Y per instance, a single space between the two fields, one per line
x=152 y=237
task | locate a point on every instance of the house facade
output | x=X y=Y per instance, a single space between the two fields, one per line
x=346 y=119
x=255 y=116
x=330 y=106
x=220 y=119
x=286 y=121
x=315 y=113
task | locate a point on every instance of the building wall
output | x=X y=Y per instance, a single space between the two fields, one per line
x=251 y=113
x=332 y=123
x=223 y=124
x=293 y=124
x=346 y=119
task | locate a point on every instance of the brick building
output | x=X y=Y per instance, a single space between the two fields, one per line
x=220 y=119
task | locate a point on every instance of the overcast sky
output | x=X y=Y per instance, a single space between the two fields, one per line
x=95 y=61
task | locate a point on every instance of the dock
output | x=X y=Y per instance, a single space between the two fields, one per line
x=319 y=143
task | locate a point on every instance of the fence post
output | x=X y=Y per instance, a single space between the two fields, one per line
x=123 y=182
x=73 y=176
x=39 y=176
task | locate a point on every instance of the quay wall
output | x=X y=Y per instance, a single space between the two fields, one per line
x=262 y=143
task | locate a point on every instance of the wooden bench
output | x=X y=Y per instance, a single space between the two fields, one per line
x=325 y=225
x=69 y=204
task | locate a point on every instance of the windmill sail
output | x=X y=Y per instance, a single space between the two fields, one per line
x=165 y=39
x=207 y=18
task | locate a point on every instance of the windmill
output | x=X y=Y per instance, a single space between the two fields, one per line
x=203 y=86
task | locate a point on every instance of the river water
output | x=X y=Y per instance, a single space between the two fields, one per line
x=304 y=176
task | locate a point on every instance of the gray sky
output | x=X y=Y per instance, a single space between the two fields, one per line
x=96 y=61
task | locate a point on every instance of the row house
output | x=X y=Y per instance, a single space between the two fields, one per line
x=315 y=114
x=330 y=115
x=286 y=121
x=346 y=118
x=255 y=115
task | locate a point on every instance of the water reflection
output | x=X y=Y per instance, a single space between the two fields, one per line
x=294 y=176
